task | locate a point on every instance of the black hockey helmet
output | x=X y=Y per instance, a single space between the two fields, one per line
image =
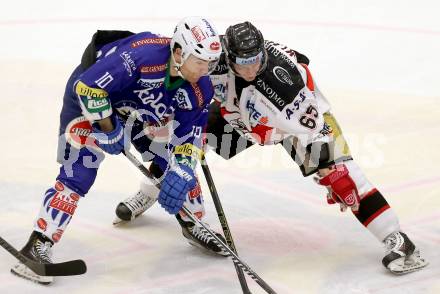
x=244 y=44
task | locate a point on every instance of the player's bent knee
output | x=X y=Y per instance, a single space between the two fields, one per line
x=78 y=177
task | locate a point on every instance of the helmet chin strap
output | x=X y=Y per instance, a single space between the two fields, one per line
x=177 y=66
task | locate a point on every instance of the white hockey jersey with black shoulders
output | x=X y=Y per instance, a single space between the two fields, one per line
x=282 y=101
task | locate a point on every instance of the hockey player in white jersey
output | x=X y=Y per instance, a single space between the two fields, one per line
x=265 y=94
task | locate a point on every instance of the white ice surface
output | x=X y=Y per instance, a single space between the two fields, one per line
x=378 y=63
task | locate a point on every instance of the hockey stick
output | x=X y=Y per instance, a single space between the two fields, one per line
x=224 y=223
x=237 y=260
x=68 y=268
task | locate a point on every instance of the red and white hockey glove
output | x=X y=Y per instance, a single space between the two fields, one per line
x=342 y=188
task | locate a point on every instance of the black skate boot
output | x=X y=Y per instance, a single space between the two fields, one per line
x=133 y=207
x=39 y=249
x=200 y=237
x=401 y=255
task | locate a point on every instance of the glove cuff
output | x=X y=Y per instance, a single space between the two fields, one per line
x=339 y=172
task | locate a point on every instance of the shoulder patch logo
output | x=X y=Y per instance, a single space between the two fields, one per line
x=282 y=75
x=182 y=99
x=78 y=135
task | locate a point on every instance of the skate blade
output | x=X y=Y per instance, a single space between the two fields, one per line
x=118 y=221
x=407 y=266
x=196 y=244
x=24 y=272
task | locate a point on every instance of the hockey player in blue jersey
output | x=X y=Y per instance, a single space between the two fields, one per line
x=140 y=89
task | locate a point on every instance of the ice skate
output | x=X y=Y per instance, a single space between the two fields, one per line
x=402 y=256
x=133 y=207
x=39 y=249
x=199 y=237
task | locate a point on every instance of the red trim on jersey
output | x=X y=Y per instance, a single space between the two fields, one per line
x=198 y=93
x=223 y=111
x=369 y=193
x=310 y=83
x=376 y=214
x=263 y=133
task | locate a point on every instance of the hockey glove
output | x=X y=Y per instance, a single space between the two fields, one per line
x=342 y=188
x=177 y=182
x=112 y=142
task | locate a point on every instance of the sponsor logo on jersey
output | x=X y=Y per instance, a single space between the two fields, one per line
x=97 y=105
x=270 y=94
x=282 y=75
x=128 y=63
x=160 y=109
x=148 y=41
x=77 y=134
x=64 y=203
x=188 y=149
x=84 y=90
x=221 y=68
x=255 y=116
x=296 y=104
x=198 y=34
x=151 y=84
x=283 y=52
x=198 y=93
x=326 y=130
x=153 y=68
x=264 y=120
x=182 y=99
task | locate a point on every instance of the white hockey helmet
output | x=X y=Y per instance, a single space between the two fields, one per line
x=197 y=36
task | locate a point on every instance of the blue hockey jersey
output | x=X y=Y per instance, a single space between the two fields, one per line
x=131 y=78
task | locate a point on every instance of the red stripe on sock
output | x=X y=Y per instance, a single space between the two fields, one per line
x=376 y=214
x=371 y=192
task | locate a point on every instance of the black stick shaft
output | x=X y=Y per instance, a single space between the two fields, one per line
x=237 y=260
x=224 y=223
